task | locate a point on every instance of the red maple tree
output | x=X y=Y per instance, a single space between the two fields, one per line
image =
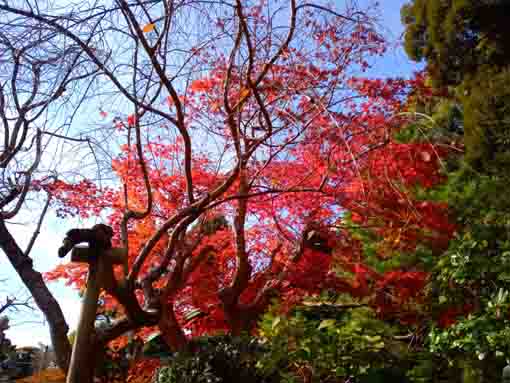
x=236 y=186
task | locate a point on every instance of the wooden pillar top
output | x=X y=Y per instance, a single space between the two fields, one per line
x=114 y=256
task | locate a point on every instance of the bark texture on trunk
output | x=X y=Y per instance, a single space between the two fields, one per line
x=171 y=331
x=43 y=298
x=82 y=365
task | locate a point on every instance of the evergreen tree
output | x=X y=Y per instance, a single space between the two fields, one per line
x=466 y=46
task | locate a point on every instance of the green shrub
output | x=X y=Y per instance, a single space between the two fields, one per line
x=216 y=360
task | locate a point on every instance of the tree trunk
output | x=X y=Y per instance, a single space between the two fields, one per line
x=42 y=296
x=82 y=365
x=171 y=331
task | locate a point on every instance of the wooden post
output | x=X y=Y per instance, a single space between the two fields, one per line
x=81 y=366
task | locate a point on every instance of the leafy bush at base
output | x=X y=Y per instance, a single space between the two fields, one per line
x=331 y=343
x=219 y=359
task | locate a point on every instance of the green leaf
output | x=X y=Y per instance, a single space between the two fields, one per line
x=373 y=339
x=326 y=323
x=275 y=323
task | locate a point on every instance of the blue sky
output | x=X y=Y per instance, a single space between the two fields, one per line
x=395 y=63
x=29 y=329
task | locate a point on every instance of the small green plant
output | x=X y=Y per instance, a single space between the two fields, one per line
x=218 y=359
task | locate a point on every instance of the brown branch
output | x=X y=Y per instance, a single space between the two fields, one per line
x=243 y=268
x=253 y=87
x=179 y=122
x=28 y=179
x=194 y=210
x=89 y=52
x=274 y=284
x=226 y=89
x=13 y=303
x=283 y=47
x=329 y=10
x=37 y=230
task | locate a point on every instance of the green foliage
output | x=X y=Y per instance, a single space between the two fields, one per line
x=481 y=335
x=473 y=275
x=457 y=36
x=328 y=342
x=438 y=121
x=481 y=249
x=486 y=100
x=466 y=44
x=471 y=280
x=216 y=360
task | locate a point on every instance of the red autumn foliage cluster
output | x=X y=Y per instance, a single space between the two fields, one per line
x=373 y=184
